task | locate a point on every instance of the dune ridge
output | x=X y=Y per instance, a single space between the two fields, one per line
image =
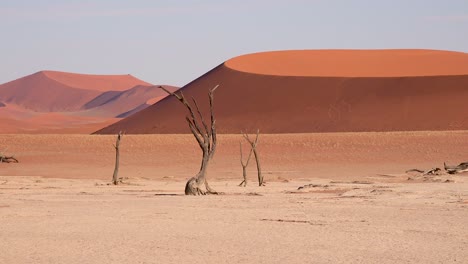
x=276 y=103
x=353 y=63
x=95 y=82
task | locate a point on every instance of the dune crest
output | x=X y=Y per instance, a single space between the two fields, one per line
x=95 y=82
x=353 y=63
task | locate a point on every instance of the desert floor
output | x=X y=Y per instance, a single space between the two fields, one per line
x=329 y=198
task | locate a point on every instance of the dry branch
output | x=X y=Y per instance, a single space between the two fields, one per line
x=206 y=138
x=253 y=145
x=462 y=167
x=433 y=171
x=244 y=165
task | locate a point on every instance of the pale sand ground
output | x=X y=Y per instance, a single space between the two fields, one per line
x=72 y=216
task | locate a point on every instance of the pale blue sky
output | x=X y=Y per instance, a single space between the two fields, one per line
x=174 y=41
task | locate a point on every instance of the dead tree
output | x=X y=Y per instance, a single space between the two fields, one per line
x=244 y=166
x=115 y=177
x=462 y=167
x=253 y=145
x=433 y=171
x=206 y=138
x=8 y=159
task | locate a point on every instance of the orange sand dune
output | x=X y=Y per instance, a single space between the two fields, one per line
x=95 y=82
x=283 y=92
x=353 y=63
x=40 y=93
x=49 y=91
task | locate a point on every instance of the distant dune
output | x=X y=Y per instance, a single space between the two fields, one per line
x=2 y=104
x=323 y=91
x=39 y=93
x=59 y=101
x=96 y=82
x=49 y=91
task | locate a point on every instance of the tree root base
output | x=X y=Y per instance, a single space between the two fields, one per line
x=192 y=187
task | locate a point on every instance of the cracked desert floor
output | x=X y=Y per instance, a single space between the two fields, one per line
x=329 y=198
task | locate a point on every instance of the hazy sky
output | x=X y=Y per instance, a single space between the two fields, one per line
x=175 y=41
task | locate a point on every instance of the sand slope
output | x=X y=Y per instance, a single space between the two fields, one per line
x=15 y=119
x=127 y=101
x=324 y=91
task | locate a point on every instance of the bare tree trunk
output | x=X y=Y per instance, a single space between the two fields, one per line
x=244 y=166
x=259 y=169
x=206 y=138
x=253 y=144
x=115 y=177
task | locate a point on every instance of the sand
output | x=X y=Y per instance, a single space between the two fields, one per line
x=283 y=92
x=357 y=206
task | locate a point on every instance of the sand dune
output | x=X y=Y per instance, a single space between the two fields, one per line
x=49 y=91
x=68 y=102
x=324 y=91
x=37 y=92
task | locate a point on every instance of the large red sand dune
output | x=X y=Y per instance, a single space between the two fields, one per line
x=37 y=92
x=50 y=91
x=76 y=103
x=323 y=91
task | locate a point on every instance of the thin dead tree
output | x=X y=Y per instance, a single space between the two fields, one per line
x=115 y=177
x=8 y=159
x=206 y=138
x=253 y=145
x=244 y=166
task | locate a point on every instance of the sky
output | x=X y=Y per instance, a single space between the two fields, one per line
x=174 y=41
